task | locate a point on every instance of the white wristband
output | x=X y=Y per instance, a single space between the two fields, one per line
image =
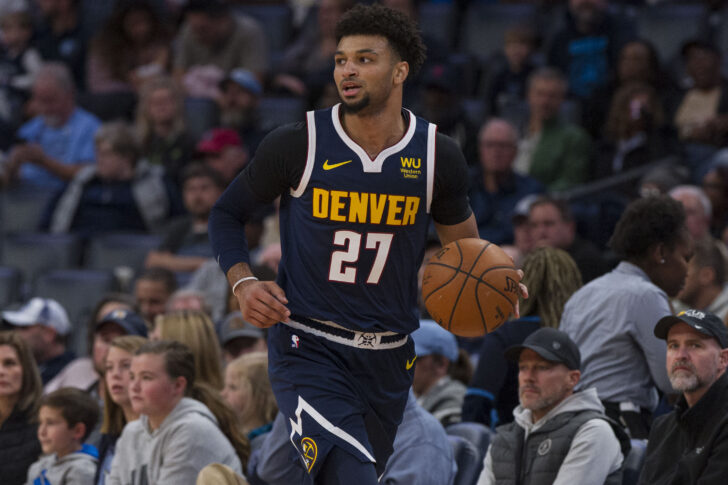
x=247 y=278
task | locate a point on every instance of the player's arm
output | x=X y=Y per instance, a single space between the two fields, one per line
x=450 y=205
x=277 y=166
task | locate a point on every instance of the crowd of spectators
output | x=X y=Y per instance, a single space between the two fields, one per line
x=598 y=160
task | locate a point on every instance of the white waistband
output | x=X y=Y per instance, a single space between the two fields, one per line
x=361 y=340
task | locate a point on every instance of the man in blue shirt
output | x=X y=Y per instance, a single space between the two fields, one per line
x=59 y=140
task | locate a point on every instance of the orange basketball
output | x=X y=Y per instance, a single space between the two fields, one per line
x=470 y=287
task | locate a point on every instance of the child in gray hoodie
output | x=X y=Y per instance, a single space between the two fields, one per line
x=176 y=436
x=66 y=417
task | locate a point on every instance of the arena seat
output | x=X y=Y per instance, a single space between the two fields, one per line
x=669 y=26
x=78 y=291
x=467 y=459
x=36 y=253
x=110 y=251
x=437 y=19
x=21 y=209
x=484 y=25
x=279 y=110
x=477 y=434
x=10 y=281
x=276 y=21
x=633 y=462
x=201 y=114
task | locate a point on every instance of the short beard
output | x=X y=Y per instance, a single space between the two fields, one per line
x=356 y=107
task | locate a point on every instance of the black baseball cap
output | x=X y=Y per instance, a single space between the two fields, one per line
x=704 y=322
x=551 y=344
x=131 y=322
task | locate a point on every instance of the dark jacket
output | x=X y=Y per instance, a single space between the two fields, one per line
x=690 y=445
x=19 y=447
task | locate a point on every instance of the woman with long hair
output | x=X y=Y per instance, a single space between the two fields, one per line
x=161 y=128
x=184 y=425
x=20 y=393
x=197 y=332
x=248 y=393
x=117 y=405
x=551 y=276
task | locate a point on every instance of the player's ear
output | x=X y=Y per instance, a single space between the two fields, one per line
x=400 y=72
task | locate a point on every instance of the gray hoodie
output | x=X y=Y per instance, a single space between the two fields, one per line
x=77 y=468
x=594 y=453
x=187 y=440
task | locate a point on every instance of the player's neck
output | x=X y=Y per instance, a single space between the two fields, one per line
x=375 y=131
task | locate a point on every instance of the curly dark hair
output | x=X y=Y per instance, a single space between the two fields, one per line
x=645 y=222
x=400 y=31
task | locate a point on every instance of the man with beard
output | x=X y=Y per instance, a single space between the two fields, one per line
x=559 y=436
x=59 y=140
x=690 y=444
x=588 y=46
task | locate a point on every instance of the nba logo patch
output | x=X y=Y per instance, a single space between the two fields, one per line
x=294 y=341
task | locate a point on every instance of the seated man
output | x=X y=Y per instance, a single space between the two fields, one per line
x=436 y=391
x=565 y=437
x=690 y=444
x=59 y=140
x=705 y=286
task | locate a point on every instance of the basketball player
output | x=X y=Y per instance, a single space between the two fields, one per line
x=358 y=184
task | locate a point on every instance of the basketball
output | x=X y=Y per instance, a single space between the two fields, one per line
x=470 y=287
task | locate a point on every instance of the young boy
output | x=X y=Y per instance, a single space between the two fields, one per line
x=66 y=417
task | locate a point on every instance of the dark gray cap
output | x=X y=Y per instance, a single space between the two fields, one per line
x=551 y=344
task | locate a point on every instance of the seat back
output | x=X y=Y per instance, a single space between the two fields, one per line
x=476 y=433
x=279 y=110
x=111 y=251
x=669 y=26
x=467 y=460
x=77 y=291
x=485 y=24
x=37 y=253
x=10 y=281
x=633 y=462
x=21 y=209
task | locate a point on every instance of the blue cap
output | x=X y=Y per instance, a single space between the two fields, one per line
x=130 y=321
x=431 y=339
x=245 y=79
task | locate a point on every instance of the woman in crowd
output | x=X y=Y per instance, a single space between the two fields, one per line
x=120 y=192
x=551 y=276
x=183 y=426
x=248 y=392
x=133 y=45
x=161 y=128
x=20 y=392
x=635 y=135
x=117 y=405
x=197 y=332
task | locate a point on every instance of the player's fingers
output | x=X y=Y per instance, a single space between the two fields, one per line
x=517 y=311
x=259 y=319
x=273 y=306
x=276 y=291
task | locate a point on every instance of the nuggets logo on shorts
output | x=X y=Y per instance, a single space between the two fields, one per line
x=310 y=450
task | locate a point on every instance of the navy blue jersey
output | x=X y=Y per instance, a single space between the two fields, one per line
x=353 y=231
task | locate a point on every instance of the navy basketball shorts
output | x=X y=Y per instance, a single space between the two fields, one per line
x=340 y=388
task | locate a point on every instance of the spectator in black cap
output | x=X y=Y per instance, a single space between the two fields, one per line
x=702 y=115
x=690 y=444
x=564 y=436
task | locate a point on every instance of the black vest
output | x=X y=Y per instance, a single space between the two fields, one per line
x=537 y=461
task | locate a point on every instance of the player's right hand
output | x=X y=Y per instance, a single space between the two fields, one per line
x=262 y=303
